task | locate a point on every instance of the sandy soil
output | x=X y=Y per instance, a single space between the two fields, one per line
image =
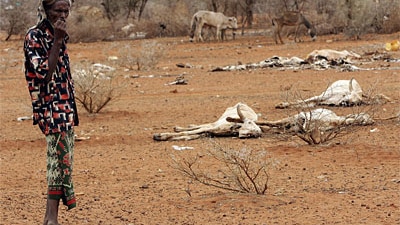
x=122 y=176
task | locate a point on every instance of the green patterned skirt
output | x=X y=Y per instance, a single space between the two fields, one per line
x=60 y=155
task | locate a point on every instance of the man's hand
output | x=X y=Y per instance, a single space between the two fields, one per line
x=60 y=29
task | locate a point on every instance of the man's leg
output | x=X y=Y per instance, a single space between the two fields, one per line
x=54 y=188
x=46 y=214
x=60 y=151
x=51 y=216
x=66 y=165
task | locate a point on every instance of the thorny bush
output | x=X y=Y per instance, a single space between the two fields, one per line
x=94 y=89
x=244 y=170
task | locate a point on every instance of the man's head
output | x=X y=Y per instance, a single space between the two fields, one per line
x=54 y=10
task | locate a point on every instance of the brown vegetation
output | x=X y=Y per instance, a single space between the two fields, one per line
x=94 y=20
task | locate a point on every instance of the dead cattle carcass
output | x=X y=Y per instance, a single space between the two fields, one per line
x=323 y=119
x=244 y=126
x=331 y=55
x=339 y=93
x=212 y=19
x=318 y=125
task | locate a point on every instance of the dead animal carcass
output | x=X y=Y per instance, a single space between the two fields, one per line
x=244 y=126
x=339 y=93
x=324 y=119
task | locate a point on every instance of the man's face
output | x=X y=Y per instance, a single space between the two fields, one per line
x=59 y=10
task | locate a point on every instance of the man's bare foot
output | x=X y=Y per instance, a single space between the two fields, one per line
x=52 y=223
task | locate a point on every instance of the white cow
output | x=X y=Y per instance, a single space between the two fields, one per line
x=213 y=19
x=339 y=93
x=243 y=127
x=321 y=119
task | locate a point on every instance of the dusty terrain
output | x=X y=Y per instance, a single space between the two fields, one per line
x=122 y=176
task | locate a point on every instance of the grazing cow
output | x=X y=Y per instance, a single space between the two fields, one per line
x=244 y=126
x=213 y=19
x=321 y=119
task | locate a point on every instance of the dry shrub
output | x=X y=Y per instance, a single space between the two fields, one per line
x=94 y=89
x=174 y=15
x=313 y=132
x=87 y=24
x=12 y=20
x=392 y=24
x=151 y=28
x=145 y=57
x=243 y=170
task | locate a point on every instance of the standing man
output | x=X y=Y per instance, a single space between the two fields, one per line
x=48 y=75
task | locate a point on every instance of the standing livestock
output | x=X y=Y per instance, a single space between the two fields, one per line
x=292 y=18
x=212 y=19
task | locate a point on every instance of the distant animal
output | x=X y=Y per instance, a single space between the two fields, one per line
x=292 y=18
x=339 y=93
x=321 y=119
x=213 y=19
x=243 y=126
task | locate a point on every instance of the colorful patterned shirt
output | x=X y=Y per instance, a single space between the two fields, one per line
x=53 y=102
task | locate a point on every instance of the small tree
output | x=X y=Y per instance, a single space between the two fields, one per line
x=13 y=21
x=115 y=8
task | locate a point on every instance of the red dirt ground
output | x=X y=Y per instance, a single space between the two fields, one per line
x=122 y=176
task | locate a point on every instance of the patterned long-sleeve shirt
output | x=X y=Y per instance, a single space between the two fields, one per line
x=53 y=102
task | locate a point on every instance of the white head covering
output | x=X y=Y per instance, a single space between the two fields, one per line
x=41 y=7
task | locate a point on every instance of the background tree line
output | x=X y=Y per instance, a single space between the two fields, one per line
x=93 y=20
